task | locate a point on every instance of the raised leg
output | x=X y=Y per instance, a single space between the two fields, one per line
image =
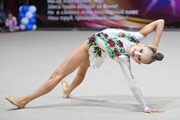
x=77 y=80
x=68 y=66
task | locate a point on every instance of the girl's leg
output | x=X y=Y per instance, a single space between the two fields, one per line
x=77 y=80
x=68 y=66
x=15 y=28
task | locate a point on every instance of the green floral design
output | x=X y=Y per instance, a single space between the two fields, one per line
x=113 y=44
x=129 y=37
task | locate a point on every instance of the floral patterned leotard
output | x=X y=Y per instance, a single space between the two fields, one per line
x=116 y=43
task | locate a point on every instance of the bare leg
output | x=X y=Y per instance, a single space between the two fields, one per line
x=68 y=66
x=77 y=80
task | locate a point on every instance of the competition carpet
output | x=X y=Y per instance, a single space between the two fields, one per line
x=27 y=59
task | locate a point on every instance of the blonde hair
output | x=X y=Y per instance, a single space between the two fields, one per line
x=155 y=56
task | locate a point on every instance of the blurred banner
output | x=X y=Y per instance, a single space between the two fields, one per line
x=105 y=13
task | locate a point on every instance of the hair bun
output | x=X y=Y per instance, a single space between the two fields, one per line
x=159 y=56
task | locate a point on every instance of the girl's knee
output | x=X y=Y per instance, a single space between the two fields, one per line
x=57 y=75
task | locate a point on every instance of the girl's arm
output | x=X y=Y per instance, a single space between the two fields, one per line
x=14 y=21
x=156 y=26
x=124 y=63
x=7 y=23
x=126 y=69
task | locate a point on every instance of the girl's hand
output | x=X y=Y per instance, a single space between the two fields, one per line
x=152 y=110
x=154 y=47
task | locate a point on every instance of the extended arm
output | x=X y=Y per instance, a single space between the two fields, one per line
x=156 y=26
x=132 y=82
x=125 y=65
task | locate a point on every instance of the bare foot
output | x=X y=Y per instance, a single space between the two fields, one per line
x=15 y=101
x=65 y=89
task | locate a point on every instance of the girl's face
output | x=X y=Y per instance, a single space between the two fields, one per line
x=10 y=16
x=140 y=53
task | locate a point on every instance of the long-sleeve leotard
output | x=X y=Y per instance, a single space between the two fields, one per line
x=116 y=44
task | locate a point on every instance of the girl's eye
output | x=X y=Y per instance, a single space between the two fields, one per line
x=141 y=50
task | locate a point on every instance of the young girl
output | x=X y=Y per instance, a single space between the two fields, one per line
x=119 y=45
x=11 y=23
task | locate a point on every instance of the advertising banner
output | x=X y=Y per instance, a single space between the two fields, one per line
x=105 y=13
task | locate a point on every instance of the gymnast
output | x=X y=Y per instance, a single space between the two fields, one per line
x=118 y=44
